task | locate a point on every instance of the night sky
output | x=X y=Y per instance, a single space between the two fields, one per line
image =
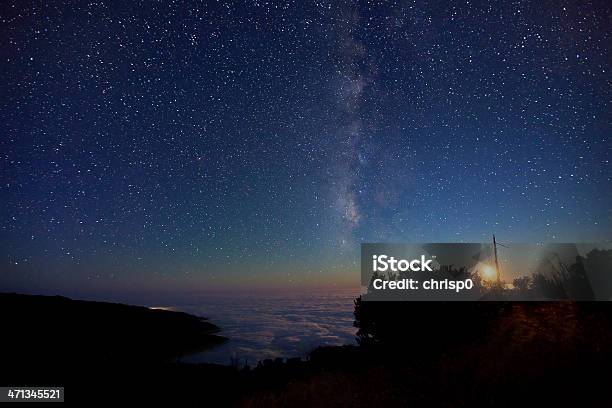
x=167 y=146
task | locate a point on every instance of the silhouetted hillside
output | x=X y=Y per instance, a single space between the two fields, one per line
x=56 y=329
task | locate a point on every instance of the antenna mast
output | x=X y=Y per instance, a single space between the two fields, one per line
x=497 y=271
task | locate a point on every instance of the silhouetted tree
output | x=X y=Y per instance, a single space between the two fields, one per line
x=521 y=284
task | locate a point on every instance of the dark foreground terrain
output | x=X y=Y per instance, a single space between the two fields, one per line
x=410 y=354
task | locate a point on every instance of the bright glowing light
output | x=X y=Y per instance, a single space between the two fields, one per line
x=488 y=272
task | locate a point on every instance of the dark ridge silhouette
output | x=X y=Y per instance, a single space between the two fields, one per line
x=56 y=329
x=492 y=353
x=101 y=351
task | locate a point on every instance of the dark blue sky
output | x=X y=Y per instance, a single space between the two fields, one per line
x=165 y=145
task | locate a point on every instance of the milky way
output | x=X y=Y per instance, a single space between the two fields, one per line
x=170 y=145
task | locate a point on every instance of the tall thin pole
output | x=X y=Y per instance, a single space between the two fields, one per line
x=496 y=262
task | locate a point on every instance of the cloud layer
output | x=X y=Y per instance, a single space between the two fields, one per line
x=269 y=327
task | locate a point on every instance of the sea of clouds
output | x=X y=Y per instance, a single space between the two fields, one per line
x=270 y=326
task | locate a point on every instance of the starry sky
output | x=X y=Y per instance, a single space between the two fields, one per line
x=167 y=145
